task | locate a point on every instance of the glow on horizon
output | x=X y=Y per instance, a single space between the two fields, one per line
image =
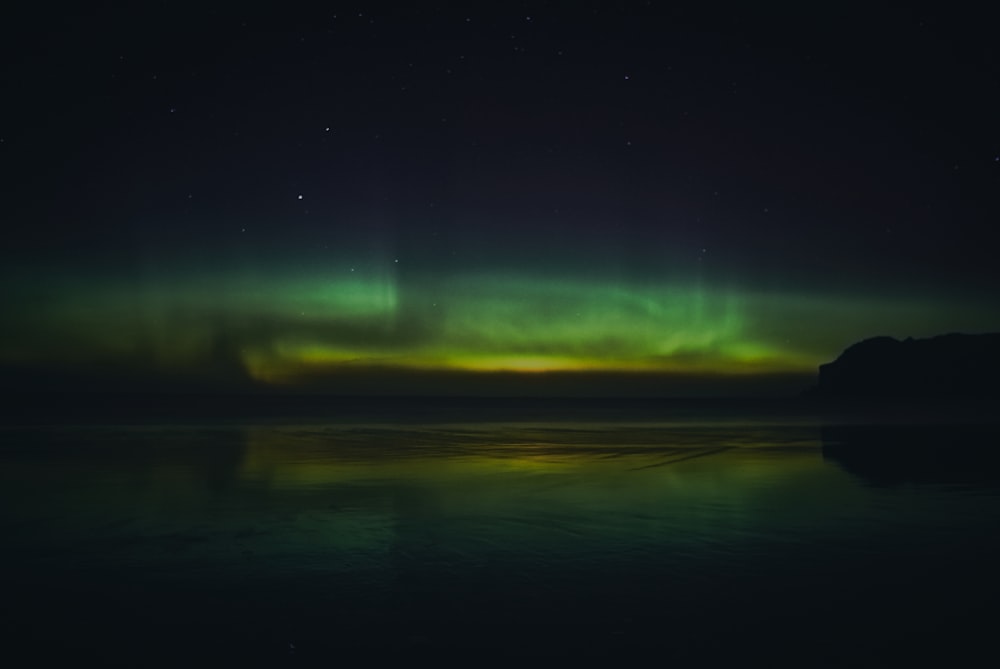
x=301 y=327
x=497 y=323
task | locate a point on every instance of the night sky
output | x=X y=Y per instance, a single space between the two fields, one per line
x=546 y=198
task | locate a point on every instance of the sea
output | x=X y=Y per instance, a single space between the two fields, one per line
x=321 y=531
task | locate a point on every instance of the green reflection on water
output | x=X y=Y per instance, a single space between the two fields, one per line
x=461 y=530
x=337 y=499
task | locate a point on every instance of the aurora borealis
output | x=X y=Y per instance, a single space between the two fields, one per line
x=326 y=330
x=601 y=200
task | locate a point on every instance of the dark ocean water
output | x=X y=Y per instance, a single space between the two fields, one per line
x=308 y=534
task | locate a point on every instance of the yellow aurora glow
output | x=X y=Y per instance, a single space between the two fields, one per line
x=301 y=328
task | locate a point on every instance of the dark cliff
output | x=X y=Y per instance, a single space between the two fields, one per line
x=952 y=365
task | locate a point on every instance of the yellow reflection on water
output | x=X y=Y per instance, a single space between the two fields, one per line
x=623 y=465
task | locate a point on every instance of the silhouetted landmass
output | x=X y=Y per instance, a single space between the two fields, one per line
x=952 y=365
x=78 y=409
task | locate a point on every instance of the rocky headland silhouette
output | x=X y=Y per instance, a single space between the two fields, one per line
x=952 y=365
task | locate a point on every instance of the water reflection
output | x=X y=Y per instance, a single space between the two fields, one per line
x=887 y=455
x=541 y=497
x=525 y=538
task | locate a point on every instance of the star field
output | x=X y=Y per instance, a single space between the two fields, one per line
x=361 y=197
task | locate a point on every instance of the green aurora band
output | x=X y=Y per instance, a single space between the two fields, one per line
x=308 y=328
